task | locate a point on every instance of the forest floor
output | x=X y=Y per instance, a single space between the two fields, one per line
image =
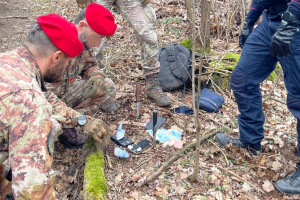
x=225 y=173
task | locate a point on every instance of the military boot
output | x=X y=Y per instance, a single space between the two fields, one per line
x=291 y=183
x=155 y=92
x=72 y=139
x=111 y=106
x=223 y=140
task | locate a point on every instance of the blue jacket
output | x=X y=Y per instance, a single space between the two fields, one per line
x=258 y=6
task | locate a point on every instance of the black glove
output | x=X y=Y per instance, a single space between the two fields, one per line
x=247 y=29
x=280 y=44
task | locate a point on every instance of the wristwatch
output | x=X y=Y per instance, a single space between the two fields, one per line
x=286 y=17
x=81 y=120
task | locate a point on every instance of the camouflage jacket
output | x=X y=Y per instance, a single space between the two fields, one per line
x=25 y=118
x=83 y=66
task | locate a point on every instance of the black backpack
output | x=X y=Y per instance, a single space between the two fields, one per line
x=175 y=67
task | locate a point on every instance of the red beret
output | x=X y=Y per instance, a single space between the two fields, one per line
x=62 y=34
x=100 y=19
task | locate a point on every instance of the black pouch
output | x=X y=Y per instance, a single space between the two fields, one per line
x=124 y=142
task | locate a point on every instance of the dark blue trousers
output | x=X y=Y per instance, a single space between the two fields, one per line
x=254 y=66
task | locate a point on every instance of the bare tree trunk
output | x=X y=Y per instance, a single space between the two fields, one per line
x=205 y=13
x=189 y=13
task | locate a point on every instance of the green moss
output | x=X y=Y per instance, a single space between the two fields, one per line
x=89 y=143
x=187 y=43
x=273 y=75
x=94 y=174
x=232 y=57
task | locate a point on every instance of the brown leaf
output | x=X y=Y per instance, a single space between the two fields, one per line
x=158 y=191
x=276 y=166
x=267 y=186
x=263 y=161
x=135 y=177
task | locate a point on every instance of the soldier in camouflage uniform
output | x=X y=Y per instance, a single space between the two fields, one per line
x=83 y=87
x=140 y=16
x=25 y=114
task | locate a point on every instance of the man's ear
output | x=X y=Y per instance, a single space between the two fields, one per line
x=82 y=26
x=57 y=56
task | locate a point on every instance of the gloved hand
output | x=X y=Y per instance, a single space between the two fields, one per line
x=280 y=44
x=83 y=3
x=247 y=29
x=97 y=128
x=97 y=83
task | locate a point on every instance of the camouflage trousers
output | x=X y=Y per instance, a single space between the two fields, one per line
x=140 y=18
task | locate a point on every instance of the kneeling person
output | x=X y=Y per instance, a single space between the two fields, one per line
x=83 y=87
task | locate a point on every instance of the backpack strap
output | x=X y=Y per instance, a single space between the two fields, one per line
x=173 y=66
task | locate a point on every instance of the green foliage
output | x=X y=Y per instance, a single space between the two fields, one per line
x=94 y=174
x=169 y=21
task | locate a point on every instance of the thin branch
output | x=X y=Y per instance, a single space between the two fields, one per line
x=274 y=86
x=9 y=17
x=178 y=154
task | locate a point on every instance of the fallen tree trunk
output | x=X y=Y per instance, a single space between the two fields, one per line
x=178 y=154
x=94 y=186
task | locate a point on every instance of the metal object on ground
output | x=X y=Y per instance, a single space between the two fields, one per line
x=138 y=99
x=154 y=127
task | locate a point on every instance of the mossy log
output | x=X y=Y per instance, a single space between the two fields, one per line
x=95 y=187
x=222 y=68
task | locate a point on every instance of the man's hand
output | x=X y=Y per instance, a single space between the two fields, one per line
x=83 y=3
x=97 y=83
x=280 y=44
x=247 y=29
x=97 y=128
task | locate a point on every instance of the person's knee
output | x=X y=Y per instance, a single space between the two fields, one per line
x=238 y=80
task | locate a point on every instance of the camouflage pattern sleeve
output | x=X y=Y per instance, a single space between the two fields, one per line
x=27 y=122
x=89 y=63
x=60 y=111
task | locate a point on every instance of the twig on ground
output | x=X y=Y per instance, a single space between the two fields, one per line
x=255 y=187
x=278 y=100
x=109 y=162
x=221 y=152
x=9 y=17
x=175 y=157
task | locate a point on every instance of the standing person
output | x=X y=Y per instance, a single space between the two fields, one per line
x=25 y=114
x=83 y=88
x=276 y=38
x=141 y=16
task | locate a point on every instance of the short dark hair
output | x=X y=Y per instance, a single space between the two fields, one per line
x=80 y=16
x=41 y=42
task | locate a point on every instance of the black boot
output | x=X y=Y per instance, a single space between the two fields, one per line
x=72 y=139
x=110 y=106
x=223 y=140
x=291 y=183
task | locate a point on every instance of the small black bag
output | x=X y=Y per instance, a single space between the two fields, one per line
x=175 y=67
x=210 y=101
